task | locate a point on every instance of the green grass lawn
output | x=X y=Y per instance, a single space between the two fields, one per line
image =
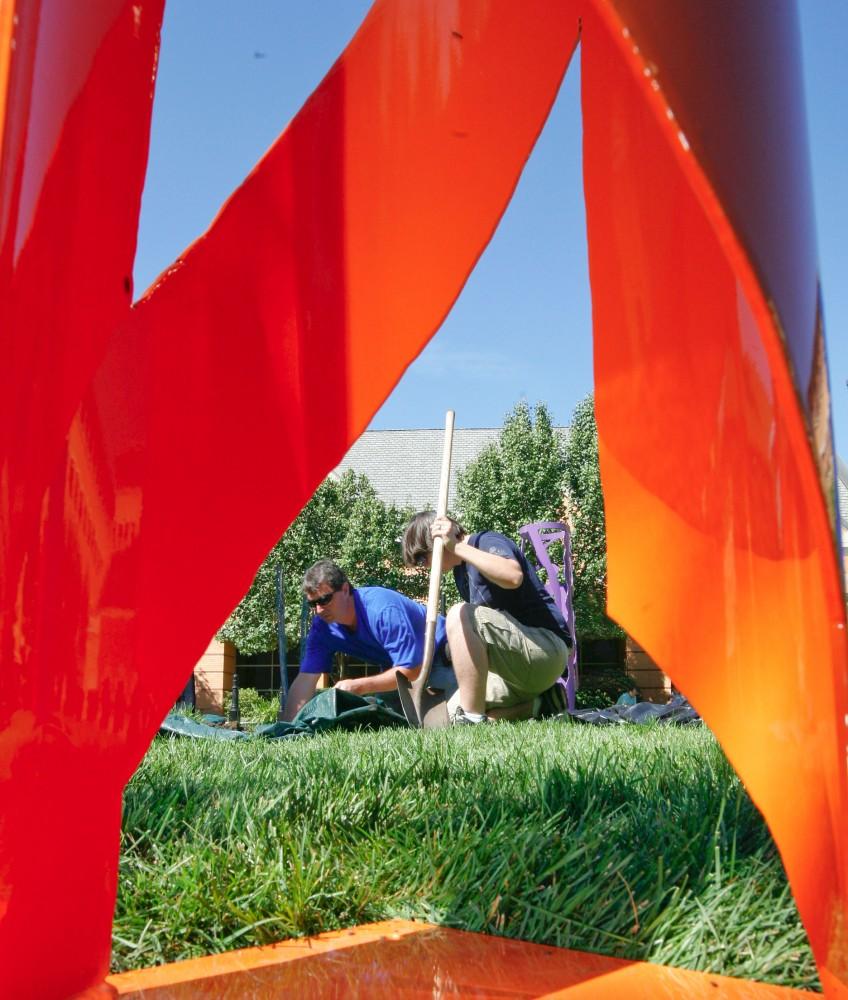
x=635 y=842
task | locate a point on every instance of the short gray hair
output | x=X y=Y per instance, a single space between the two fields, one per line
x=324 y=571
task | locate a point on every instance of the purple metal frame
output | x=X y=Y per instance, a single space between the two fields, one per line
x=559 y=584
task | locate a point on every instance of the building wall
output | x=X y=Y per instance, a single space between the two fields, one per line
x=213 y=676
x=653 y=684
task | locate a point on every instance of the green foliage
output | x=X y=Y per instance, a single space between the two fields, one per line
x=529 y=474
x=601 y=686
x=255 y=708
x=584 y=501
x=516 y=479
x=345 y=521
x=629 y=841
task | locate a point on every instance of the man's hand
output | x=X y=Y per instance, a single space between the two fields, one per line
x=301 y=690
x=444 y=528
x=348 y=684
x=386 y=681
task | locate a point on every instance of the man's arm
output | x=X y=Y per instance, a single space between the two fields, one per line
x=503 y=571
x=301 y=690
x=401 y=634
x=500 y=570
x=385 y=681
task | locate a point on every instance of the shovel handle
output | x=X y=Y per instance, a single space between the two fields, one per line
x=436 y=566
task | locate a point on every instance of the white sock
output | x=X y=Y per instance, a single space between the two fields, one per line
x=474 y=716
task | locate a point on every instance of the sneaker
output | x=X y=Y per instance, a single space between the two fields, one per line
x=551 y=703
x=461 y=719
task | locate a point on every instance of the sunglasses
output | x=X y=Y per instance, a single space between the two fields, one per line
x=322 y=601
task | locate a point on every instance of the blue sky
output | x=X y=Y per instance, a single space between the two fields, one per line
x=232 y=75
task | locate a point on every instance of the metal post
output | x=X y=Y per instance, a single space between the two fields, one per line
x=304 y=626
x=235 y=712
x=281 y=641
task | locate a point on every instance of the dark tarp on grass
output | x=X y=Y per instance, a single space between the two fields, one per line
x=677 y=711
x=331 y=709
x=335 y=709
x=180 y=725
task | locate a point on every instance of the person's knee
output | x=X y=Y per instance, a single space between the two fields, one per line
x=457 y=620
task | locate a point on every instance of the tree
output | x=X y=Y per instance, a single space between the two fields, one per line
x=345 y=521
x=531 y=474
x=517 y=479
x=584 y=508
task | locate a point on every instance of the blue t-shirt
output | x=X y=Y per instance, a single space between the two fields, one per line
x=389 y=633
x=530 y=604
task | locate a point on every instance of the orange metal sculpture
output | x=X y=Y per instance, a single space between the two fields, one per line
x=323 y=276
x=398 y=958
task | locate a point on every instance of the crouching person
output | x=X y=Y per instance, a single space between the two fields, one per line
x=374 y=624
x=508 y=642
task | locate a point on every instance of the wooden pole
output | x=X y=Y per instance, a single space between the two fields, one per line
x=421 y=706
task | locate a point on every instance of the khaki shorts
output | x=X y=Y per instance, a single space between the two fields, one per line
x=523 y=661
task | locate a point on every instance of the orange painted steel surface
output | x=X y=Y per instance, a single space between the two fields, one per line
x=705 y=448
x=7 y=13
x=735 y=86
x=403 y=959
x=321 y=279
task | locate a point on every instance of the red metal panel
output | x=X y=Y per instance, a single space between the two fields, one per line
x=74 y=148
x=74 y=156
x=705 y=458
x=322 y=277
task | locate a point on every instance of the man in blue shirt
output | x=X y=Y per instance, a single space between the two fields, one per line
x=508 y=641
x=373 y=624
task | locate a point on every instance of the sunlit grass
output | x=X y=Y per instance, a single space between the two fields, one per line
x=633 y=842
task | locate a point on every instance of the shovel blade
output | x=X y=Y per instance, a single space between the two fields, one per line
x=423 y=706
x=410 y=710
x=433 y=709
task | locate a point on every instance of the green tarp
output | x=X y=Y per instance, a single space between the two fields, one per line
x=330 y=709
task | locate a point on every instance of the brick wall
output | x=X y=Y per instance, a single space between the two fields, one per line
x=213 y=676
x=653 y=684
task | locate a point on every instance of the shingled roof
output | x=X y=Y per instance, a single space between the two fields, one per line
x=404 y=466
